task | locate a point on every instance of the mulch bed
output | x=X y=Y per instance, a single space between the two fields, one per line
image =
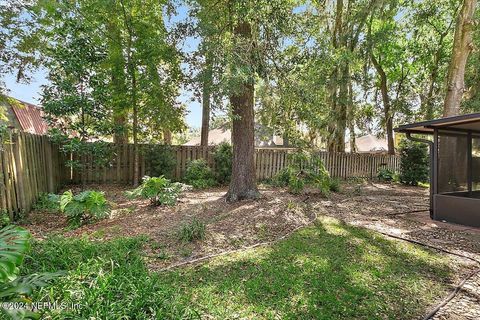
x=378 y=206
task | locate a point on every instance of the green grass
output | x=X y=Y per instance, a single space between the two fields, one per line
x=326 y=271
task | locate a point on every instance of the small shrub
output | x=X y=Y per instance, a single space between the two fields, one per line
x=335 y=185
x=385 y=174
x=414 y=163
x=304 y=169
x=84 y=207
x=48 y=202
x=223 y=156
x=4 y=218
x=162 y=160
x=192 y=231
x=199 y=175
x=160 y=190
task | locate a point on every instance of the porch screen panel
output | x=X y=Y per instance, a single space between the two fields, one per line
x=476 y=163
x=452 y=162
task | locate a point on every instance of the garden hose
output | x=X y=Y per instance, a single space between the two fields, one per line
x=457 y=288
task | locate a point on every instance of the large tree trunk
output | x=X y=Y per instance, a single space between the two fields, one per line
x=462 y=46
x=243 y=184
x=206 y=92
x=167 y=136
x=387 y=112
x=335 y=127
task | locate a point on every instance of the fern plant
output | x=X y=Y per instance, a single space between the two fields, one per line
x=160 y=190
x=84 y=207
x=14 y=244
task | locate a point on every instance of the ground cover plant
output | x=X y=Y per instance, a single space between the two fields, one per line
x=48 y=201
x=191 y=231
x=160 y=190
x=87 y=206
x=326 y=271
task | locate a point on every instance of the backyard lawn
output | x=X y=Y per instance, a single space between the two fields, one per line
x=325 y=270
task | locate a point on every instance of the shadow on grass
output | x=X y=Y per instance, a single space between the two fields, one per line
x=326 y=271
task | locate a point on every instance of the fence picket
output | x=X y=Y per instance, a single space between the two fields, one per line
x=31 y=164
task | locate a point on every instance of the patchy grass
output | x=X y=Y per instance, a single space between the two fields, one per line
x=326 y=271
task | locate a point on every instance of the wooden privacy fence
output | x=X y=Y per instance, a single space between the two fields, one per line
x=29 y=165
x=268 y=161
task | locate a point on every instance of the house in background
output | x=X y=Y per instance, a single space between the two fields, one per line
x=369 y=144
x=24 y=116
x=217 y=136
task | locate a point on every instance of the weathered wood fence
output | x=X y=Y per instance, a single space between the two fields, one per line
x=29 y=165
x=268 y=161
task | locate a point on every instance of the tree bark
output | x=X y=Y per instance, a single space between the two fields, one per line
x=335 y=127
x=243 y=184
x=206 y=92
x=386 y=104
x=462 y=46
x=167 y=137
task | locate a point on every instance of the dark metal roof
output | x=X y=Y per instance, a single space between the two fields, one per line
x=30 y=117
x=464 y=123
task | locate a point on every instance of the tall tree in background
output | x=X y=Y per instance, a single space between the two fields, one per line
x=387 y=49
x=462 y=46
x=206 y=98
x=432 y=22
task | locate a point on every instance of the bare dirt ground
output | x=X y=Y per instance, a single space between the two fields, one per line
x=387 y=208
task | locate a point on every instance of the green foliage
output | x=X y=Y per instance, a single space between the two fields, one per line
x=192 y=231
x=385 y=174
x=160 y=190
x=414 y=163
x=111 y=280
x=14 y=245
x=222 y=156
x=162 y=159
x=84 y=207
x=102 y=153
x=4 y=218
x=305 y=169
x=199 y=174
x=48 y=202
x=335 y=185
x=108 y=279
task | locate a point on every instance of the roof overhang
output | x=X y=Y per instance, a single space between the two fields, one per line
x=461 y=124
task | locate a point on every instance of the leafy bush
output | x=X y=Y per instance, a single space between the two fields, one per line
x=162 y=160
x=160 y=190
x=414 y=163
x=84 y=207
x=4 y=218
x=223 y=156
x=304 y=169
x=199 y=174
x=192 y=231
x=385 y=174
x=14 y=244
x=48 y=202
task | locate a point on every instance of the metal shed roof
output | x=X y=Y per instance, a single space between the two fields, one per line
x=464 y=123
x=30 y=117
